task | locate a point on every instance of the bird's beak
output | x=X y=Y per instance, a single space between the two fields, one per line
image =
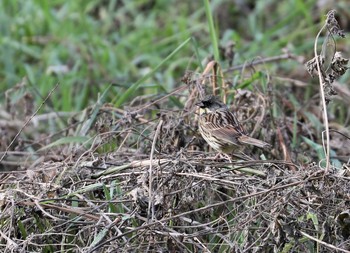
x=200 y=104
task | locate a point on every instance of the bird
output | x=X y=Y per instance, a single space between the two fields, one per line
x=221 y=129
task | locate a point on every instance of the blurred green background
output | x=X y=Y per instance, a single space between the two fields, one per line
x=87 y=45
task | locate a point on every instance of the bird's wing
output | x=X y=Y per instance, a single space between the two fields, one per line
x=230 y=135
x=225 y=126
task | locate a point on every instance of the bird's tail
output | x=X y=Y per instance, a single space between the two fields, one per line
x=252 y=141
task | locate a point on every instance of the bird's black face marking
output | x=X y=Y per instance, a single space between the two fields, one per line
x=207 y=102
x=211 y=102
x=204 y=104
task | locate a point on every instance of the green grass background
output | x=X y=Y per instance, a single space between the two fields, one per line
x=121 y=42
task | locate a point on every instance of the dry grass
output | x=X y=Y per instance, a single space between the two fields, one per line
x=160 y=189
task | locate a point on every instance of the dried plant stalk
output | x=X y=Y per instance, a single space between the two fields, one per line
x=329 y=66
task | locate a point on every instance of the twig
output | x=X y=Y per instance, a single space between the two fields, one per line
x=261 y=61
x=324 y=243
x=71 y=210
x=150 y=191
x=10 y=243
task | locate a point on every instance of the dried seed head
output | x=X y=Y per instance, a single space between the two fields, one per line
x=332 y=24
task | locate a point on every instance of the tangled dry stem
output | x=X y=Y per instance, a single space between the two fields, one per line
x=162 y=190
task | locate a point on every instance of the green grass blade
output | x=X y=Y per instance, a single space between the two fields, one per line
x=87 y=125
x=212 y=31
x=65 y=140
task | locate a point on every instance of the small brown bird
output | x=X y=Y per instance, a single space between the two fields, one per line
x=221 y=129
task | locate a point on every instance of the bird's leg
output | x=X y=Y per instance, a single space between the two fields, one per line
x=222 y=156
x=228 y=157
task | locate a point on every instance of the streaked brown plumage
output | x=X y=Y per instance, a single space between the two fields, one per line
x=221 y=129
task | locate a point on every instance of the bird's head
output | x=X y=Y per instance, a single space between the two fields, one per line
x=211 y=103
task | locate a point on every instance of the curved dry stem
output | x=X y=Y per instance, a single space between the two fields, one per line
x=323 y=101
